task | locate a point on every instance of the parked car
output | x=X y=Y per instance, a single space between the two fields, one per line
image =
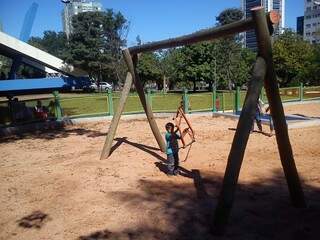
x=103 y=86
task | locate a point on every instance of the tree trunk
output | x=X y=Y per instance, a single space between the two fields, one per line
x=194 y=86
x=171 y=85
x=159 y=85
x=164 y=84
x=210 y=86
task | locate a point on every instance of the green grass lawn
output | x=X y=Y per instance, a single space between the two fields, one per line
x=85 y=105
x=91 y=105
x=97 y=103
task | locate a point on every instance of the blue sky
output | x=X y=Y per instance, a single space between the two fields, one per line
x=152 y=20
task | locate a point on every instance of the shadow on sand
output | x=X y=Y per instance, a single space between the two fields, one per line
x=143 y=147
x=173 y=210
x=51 y=134
x=35 y=220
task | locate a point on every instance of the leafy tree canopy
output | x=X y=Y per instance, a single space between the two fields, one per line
x=52 y=42
x=229 y=15
x=292 y=57
x=95 y=43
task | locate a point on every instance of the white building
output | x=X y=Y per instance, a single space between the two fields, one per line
x=312 y=21
x=249 y=38
x=74 y=7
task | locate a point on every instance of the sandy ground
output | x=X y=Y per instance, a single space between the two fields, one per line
x=309 y=110
x=53 y=185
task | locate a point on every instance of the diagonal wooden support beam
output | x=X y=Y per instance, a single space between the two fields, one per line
x=238 y=148
x=132 y=76
x=116 y=117
x=132 y=64
x=280 y=124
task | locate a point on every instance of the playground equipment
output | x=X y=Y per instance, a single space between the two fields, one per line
x=183 y=131
x=22 y=53
x=40 y=85
x=59 y=76
x=263 y=71
x=19 y=50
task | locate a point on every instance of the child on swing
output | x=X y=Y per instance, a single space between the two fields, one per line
x=172 y=149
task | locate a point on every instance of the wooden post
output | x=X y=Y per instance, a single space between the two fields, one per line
x=149 y=97
x=110 y=102
x=214 y=99
x=132 y=63
x=301 y=92
x=262 y=95
x=223 y=101
x=238 y=147
x=237 y=99
x=116 y=117
x=57 y=105
x=276 y=108
x=185 y=101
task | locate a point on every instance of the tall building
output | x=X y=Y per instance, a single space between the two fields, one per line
x=312 y=21
x=249 y=38
x=74 y=7
x=300 y=23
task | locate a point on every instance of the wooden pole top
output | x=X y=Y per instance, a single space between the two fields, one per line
x=274 y=17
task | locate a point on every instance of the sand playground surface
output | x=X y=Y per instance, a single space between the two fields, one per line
x=53 y=185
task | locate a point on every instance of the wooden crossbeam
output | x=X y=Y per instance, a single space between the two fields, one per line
x=272 y=17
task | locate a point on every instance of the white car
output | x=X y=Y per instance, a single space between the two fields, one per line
x=103 y=86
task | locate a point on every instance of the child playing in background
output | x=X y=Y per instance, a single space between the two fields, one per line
x=257 y=116
x=270 y=121
x=172 y=149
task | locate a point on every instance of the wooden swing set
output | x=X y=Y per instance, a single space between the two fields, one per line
x=263 y=74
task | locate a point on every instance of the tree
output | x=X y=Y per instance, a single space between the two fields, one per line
x=5 y=65
x=52 y=42
x=95 y=44
x=231 y=47
x=167 y=59
x=311 y=73
x=222 y=63
x=292 y=58
x=195 y=63
x=148 y=69
x=229 y=15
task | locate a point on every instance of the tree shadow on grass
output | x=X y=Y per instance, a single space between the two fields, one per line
x=173 y=210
